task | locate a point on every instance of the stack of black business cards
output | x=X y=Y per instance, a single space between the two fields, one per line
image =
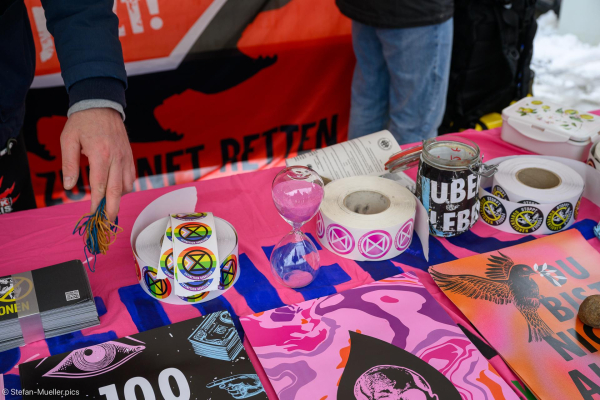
x=160 y=363
x=44 y=303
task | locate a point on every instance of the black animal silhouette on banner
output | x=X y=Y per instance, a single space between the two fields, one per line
x=505 y=283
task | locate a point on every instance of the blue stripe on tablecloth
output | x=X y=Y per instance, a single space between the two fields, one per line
x=256 y=288
x=146 y=312
x=100 y=306
x=8 y=359
x=323 y=285
x=76 y=340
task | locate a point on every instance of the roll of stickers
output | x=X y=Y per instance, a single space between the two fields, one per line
x=196 y=253
x=528 y=180
x=146 y=244
x=367 y=218
x=536 y=194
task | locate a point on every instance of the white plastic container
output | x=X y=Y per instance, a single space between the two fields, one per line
x=549 y=129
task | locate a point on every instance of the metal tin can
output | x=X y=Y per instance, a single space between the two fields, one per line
x=447 y=182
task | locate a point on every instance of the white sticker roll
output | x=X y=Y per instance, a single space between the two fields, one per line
x=148 y=245
x=543 y=193
x=145 y=241
x=368 y=218
x=529 y=180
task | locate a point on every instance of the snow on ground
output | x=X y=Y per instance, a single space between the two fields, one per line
x=567 y=71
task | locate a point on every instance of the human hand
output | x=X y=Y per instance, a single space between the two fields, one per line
x=239 y=386
x=99 y=133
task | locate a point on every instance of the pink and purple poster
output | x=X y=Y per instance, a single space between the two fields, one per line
x=386 y=340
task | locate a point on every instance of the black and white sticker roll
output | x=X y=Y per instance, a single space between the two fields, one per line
x=528 y=180
x=368 y=218
x=536 y=194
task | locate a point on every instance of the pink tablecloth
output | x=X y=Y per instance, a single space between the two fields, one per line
x=37 y=238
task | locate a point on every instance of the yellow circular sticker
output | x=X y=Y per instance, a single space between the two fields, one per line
x=526 y=219
x=559 y=216
x=492 y=211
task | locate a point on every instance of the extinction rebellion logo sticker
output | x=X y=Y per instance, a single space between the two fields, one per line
x=196 y=263
x=228 y=270
x=159 y=288
x=492 y=211
x=526 y=219
x=375 y=244
x=193 y=232
x=340 y=240
x=499 y=192
x=559 y=216
x=404 y=235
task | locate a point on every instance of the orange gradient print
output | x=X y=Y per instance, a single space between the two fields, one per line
x=524 y=300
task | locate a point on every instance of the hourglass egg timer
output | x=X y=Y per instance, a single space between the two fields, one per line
x=297 y=193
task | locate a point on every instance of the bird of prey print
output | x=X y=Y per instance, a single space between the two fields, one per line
x=505 y=284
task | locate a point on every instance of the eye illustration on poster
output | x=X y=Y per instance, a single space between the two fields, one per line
x=377 y=370
x=308 y=349
x=94 y=360
x=505 y=283
x=162 y=363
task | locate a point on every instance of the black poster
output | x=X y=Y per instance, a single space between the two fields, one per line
x=379 y=370
x=202 y=358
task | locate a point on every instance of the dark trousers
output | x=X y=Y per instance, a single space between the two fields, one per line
x=16 y=190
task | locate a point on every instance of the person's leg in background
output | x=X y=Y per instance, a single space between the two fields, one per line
x=369 y=109
x=16 y=190
x=418 y=61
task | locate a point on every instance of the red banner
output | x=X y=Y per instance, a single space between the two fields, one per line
x=216 y=87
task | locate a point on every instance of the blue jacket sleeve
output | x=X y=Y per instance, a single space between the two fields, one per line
x=86 y=37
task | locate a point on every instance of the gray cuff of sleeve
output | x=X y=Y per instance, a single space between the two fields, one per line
x=96 y=103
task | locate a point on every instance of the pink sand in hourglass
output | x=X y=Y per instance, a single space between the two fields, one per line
x=298 y=279
x=297 y=201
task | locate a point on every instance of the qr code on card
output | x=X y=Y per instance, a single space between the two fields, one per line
x=72 y=295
